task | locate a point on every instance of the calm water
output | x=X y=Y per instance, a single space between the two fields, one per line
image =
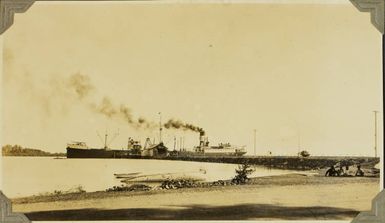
x=25 y=176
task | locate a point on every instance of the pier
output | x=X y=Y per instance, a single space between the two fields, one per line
x=280 y=162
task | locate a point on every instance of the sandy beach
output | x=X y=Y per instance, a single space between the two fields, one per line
x=287 y=197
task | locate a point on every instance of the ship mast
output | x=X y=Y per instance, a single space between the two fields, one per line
x=160 y=127
x=255 y=142
x=375 y=133
x=299 y=143
x=129 y=145
x=105 y=140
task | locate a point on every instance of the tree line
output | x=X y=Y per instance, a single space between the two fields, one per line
x=16 y=150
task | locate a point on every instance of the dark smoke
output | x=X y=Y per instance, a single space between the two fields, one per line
x=108 y=109
x=81 y=84
x=126 y=113
x=105 y=107
x=141 y=120
x=120 y=112
x=57 y=96
x=177 y=124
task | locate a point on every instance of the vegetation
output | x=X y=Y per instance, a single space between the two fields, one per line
x=16 y=150
x=304 y=153
x=75 y=190
x=242 y=172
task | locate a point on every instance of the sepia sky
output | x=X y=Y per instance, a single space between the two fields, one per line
x=305 y=75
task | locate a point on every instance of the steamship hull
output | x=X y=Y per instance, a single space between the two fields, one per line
x=218 y=152
x=95 y=153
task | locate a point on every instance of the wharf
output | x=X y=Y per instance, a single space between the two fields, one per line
x=282 y=162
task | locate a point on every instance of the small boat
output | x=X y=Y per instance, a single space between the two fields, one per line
x=125 y=175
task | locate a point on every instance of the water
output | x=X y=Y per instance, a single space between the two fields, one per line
x=26 y=176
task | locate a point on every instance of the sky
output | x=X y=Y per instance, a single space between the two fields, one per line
x=304 y=76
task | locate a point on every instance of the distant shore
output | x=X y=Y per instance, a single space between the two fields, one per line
x=286 y=197
x=16 y=150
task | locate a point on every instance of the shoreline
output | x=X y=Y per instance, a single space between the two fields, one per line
x=301 y=195
x=285 y=197
x=285 y=179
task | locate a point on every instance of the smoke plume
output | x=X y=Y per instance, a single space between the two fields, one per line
x=177 y=124
x=81 y=84
x=58 y=93
x=120 y=112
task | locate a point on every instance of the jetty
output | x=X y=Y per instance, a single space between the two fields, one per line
x=282 y=162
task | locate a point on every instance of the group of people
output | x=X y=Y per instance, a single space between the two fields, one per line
x=332 y=172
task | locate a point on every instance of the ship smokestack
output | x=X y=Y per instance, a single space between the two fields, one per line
x=201 y=138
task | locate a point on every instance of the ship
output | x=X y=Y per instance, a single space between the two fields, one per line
x=151 y=149
x=81 y=150
x=223 y=149
x=134 y=149
x=78 y=149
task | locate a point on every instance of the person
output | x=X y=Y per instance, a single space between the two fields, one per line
x=346 y=173
x=340 y=172
x=359 y=172
x=331 y=172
